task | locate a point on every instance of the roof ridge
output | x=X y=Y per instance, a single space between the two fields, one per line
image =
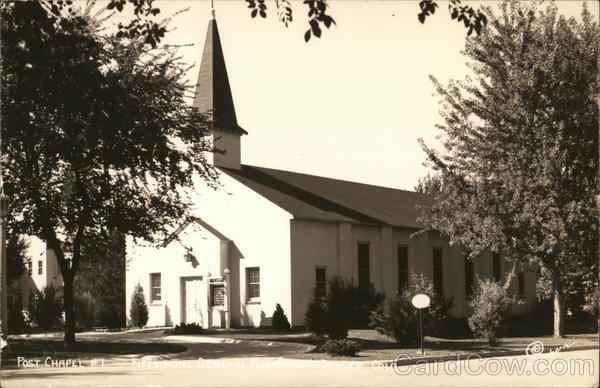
x=338 y=180
x=294 y=191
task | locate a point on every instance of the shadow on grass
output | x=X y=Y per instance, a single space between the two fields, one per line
x=29 y=348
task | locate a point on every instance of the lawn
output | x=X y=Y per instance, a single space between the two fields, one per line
x=82 y=350
x=376 y=346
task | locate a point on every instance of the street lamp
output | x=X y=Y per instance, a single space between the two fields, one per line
x=4 y=202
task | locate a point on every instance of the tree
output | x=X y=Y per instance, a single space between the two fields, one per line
x=102 y=279
x=97 y=136
x=144 y=25
x=431 y=184
x=520 y=159
x=16 y=256
x=138 y=310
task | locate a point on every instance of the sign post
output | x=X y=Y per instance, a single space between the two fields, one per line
x=421 y=301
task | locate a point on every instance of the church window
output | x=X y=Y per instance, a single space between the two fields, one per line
x=253 y=278
x=363 y=265
x=155 y=287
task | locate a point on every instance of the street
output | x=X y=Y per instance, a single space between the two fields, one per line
x=574 y=368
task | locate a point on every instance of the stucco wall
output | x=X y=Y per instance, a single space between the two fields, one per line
x=334 y=246
x=260 y=237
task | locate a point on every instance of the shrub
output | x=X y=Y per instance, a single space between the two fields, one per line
x=85 y=311
x=188 y=328
x=491 y=304
x=400 y=319
x=139 y=309
x=340 y=347
x=338 y=305
x=315 y=318
x=279 y=322
x=16 y=320
x=46 y=308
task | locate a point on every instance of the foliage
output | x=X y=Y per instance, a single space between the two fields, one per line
x=16 y=320
x=400 y=319
x=85 y=309
x=45 y=310
x=105 y=140
x=491 y=304
x=345 y=306
x=279 y=321
x=188 y=328
x=144 y=26
x=138 y=311
x=349 y=306
x=102 y=278
x=315 y=317
x=431 y=184
x=340 y=347
x=520 y=146
x=16 y=256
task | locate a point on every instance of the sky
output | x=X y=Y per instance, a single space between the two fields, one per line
x=351 y=105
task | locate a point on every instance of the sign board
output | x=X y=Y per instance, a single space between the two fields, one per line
x=216 y=280
x=421 y=301
x=217 y=295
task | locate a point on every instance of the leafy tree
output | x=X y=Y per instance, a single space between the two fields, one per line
x=138 y=310
x=520 y=159
x=431 y=184
x=97 y=136
x=145 y=26
x=101 y=279
x=16 y=256
x=491 y=304
x=45 y=308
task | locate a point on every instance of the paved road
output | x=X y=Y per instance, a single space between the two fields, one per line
x=576 y=368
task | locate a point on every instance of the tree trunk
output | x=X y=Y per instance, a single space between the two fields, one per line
x=559 y=307
x=69 y=310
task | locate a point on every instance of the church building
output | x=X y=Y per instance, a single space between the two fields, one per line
x=269 y=236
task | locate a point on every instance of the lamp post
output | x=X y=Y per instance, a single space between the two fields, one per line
x=421 y=301
x=226 y=301
x=3 y=275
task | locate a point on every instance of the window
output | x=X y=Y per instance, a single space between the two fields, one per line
x=253 y=277
x=438 y=275
x=9 y=302
x=496 y=266
x=521 y=284
x=29 y=267
x=155 y=294
x=468 y=277
x=402 y=268
x=40 y=267
x=363 y=265
x=321 y=281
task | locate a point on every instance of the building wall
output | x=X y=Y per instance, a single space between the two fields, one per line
x=260 y=236
x=334 y=246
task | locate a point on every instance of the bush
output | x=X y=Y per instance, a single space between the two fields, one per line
x=400 y=319
x=46 y=308
x=139 y=309
x=491 y=304
x=315 y=318
x=341 y=347
x=279 y=322
x=16 y=321
x=85 y=311
x=346 y=306
x=188 y=328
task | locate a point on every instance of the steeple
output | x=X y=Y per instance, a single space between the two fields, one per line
x=213 y=97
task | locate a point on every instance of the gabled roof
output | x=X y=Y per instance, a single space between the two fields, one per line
x=319 y=198
x=213 y=93
x=198 y=221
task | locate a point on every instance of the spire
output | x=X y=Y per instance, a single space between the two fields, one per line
x=213 y=93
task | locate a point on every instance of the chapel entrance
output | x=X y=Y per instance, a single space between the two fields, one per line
x=193 y=300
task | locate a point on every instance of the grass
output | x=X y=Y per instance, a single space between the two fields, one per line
x=376 y=346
